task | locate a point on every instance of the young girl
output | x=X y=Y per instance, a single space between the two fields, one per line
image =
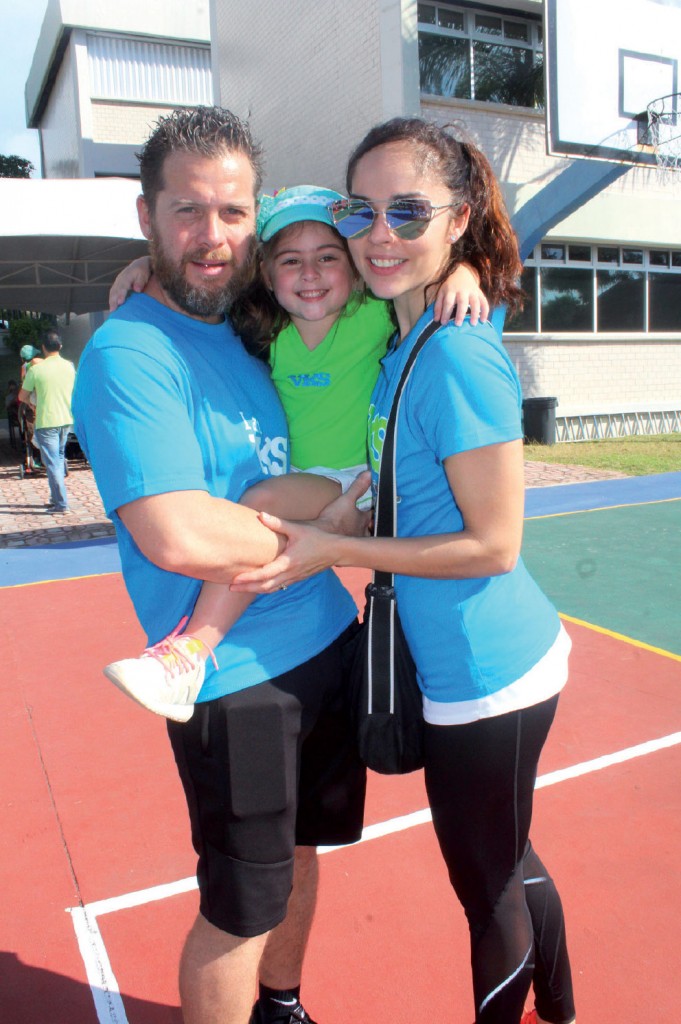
x=324 y=337
x=489 y=648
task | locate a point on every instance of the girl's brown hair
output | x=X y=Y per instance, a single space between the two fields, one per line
x=255 y=314
x=489 y=243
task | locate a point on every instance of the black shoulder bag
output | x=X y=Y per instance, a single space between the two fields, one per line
x=386 y=700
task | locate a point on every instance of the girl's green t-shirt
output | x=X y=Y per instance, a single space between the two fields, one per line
x=326 y=392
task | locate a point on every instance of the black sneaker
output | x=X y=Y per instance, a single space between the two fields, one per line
x=296 y=1014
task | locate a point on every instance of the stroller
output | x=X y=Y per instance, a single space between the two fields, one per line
x=31 y=463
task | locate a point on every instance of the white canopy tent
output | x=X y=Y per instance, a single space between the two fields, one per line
x=62 y=241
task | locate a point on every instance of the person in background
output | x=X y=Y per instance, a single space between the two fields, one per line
x=51 y=380
x=29 y=355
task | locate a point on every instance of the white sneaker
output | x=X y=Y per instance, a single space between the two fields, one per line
x=167 y=677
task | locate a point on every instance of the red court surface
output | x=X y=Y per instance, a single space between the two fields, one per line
x=94 y=822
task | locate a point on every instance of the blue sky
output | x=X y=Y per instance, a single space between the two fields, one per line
x=20 y=22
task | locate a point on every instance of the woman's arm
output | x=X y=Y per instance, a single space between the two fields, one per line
x=195 y=534
x=488 y=484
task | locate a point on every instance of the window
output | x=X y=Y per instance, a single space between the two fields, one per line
x=553 y=252
x=665 y=302
x=600 y=288
x=621 y=301
x=471 y=54
x=525 y=321
x=659 y=258
x=566 y=300
x=579 y=253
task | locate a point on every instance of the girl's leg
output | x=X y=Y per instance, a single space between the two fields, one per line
x=294 y=496
x=167 y=677
x=480 y=780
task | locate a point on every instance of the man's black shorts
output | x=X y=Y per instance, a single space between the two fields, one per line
x=264 y=770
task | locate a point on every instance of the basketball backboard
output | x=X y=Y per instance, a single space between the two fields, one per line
x=606 y=61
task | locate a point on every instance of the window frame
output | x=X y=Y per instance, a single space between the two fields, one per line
x=471 y=34
x=540 y=260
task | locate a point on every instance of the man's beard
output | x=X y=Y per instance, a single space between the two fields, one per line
x=194 y=299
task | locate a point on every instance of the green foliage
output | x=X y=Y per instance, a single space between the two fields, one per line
x=26 y=330
x=15 y=167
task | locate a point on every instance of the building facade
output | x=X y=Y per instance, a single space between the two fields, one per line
x=101 y=76
x=601 y=330
x=103 y=73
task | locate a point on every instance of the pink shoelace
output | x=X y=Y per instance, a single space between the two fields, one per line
x=172 y=655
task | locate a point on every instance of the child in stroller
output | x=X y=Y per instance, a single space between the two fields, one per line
x=26 y=414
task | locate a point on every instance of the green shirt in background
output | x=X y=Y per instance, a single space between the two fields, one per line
x=52 y=380
x=326 y=392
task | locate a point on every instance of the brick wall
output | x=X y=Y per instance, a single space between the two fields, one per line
x=601 y=376
x=307 y=75
x=124 y=123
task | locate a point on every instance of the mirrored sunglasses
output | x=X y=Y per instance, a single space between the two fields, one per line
x=407 y=218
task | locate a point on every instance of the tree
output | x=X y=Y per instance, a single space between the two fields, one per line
x=27 y=330
x=15 y=167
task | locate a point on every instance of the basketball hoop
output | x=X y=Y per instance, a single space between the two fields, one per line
x=664 y=131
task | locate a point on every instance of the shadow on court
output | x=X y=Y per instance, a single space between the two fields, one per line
x=26 y=993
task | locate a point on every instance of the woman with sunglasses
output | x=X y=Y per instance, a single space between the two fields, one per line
x=490 y=650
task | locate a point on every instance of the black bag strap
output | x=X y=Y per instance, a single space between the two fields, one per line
x=385 y=514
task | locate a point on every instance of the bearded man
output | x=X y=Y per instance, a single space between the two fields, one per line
x=177 y=421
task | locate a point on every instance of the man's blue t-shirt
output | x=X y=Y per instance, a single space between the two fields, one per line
x=165 y=403
x=469 y=637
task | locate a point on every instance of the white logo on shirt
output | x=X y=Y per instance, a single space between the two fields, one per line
x=272 y=451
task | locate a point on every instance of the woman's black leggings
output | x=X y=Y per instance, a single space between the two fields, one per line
x=480 y=779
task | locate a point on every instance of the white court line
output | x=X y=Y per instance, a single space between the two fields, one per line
x=103 y=983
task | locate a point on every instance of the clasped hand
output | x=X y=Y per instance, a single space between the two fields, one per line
x=311 y=546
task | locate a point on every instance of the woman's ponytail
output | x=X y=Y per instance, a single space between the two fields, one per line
x=489 y=242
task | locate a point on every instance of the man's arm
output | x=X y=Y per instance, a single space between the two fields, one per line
x=24 y=396
x=194 y=534
x=132 y=418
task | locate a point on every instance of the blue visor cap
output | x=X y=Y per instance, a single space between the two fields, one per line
x=293 y=205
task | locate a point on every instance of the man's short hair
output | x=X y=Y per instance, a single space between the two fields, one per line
x=203 y=131
x=51 y=341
